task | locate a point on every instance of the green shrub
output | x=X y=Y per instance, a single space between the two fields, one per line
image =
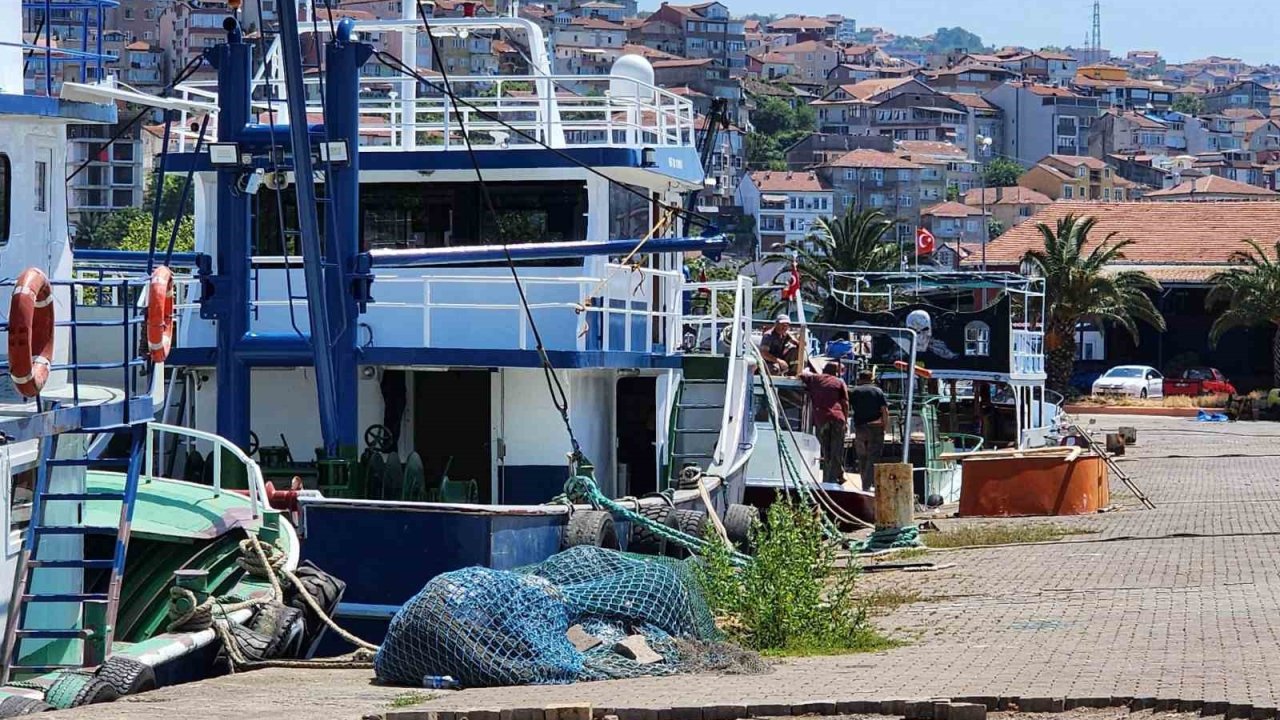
x=792 y=599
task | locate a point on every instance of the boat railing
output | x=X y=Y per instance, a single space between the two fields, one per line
x=221 y=446
x=494 y=112
x=615 y=311
x=713 y=306
x=1026 y=354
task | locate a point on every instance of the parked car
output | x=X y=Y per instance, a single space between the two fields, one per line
x=1199 y=381
x=1140 y=381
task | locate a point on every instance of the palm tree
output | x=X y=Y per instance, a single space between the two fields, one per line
x=1252 y=296
x=853 y=242
x=1078 y=287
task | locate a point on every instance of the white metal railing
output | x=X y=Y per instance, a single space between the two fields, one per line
x=496 y=112
x=257 y=487
x=109 y=295
x=1026 y=353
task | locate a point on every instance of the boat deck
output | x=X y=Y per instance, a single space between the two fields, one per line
x=63 y=410
x=170 y=509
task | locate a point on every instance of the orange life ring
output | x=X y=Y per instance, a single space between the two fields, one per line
x=160 y=300
x=30 y=332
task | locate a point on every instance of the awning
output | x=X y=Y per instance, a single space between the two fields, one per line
x=773 y=198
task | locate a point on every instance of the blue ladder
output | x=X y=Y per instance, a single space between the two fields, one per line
x=95 y=628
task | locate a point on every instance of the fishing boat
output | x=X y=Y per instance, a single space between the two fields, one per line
x=97 y=537
x=467 y=292
x=976 y=381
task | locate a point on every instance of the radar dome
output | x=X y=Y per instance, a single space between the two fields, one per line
x=631 y=77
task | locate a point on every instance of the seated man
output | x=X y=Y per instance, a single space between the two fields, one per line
x=780 y=350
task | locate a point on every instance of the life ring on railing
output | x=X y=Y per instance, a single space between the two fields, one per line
x=31 y=325
x=160 y=300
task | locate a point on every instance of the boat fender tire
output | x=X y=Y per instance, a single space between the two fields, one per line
x=127 y=675
x=324 y=588
x=282 y=624
x=16 y=706
x=645 y=539
x=73 y=689
x=689 y=522
x=591 y=527
x=738 y=521
x=253 y=646
x=31 y=324
x=160 y=302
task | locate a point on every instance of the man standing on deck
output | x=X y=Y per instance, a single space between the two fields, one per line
x=870 y=418
x=830 y=399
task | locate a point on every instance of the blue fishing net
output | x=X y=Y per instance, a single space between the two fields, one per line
x=491 y=627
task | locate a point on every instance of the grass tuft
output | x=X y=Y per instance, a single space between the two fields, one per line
x=980 y=535
x=410 y=699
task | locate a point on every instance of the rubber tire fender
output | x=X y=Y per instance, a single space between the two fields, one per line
x=689 y=522
x=16 y=706
x=127 y=675
x=73 y=689
x=647 y=540
x=738 y=522
x=590 y=527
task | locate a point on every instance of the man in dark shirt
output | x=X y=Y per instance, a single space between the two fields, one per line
x=778 y=348
x=870 y=418
x=830 y=399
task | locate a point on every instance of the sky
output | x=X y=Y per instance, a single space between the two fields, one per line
x=1181 y=30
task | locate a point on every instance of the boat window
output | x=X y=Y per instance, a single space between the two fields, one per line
x=6 y=191
x=42 y=186
x=629 y=212
x=437 y=215
x=977 y=339
x=22 y=485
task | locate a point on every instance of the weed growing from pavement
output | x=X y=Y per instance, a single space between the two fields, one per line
x=792 y=599
x=883 y=601
x=410 y=699
x=980 y=535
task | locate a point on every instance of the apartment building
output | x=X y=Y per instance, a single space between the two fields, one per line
x=945 y=169
x=704 y=31
x=785 y=205
x=1246 y=94
x=1039 y=120
x=1076 y=177
x=1008 y=206
x=115 y=176
x=873 y=180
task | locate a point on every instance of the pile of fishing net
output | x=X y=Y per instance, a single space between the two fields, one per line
x=491 y=627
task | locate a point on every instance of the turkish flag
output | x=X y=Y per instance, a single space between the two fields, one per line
x=924 y=241
x=793 y=285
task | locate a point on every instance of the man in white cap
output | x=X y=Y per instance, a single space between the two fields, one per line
x=779 y=349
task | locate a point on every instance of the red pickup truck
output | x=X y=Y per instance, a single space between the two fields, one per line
x=1199 y=381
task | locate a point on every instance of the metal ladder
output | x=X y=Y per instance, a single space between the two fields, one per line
x=95 y=625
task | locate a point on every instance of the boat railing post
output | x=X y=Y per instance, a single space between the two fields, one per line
x=426 y=311
x=217 y=469
x=150 y=460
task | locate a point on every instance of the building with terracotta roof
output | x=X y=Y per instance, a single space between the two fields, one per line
x=866 y=179
x=1212 y=189
x=1129 y=132
x=954 y=222
x=1246 y=94
x=785 y=205
x=1076 y=177
x=705 y=31
x=803 y=27
x=945 y=168
x=1181 y=245
x=1008 y=206
x=812 y=60
x=970 y=76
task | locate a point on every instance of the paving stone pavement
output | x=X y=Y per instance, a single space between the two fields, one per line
x=1178 y=602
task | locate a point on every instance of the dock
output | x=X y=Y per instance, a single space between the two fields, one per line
x=1170 y=608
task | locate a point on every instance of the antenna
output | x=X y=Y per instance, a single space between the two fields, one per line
x=1095 y=42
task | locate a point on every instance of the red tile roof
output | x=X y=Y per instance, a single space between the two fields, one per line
x=682 y=62
x=950 y=210
x=1214 y=185
x=1092 y=163
x=975 y=102
x=863 y=158
x=929 y=148
x=1164 y=233
x=1016 y=195
x=770 y=181
x=800 y=22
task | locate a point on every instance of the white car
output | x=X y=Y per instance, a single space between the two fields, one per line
x=1140 y=381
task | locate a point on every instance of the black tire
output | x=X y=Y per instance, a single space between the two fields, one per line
x=283 y=625
x=689 y=522
x=591 y=527
x=645 y=539
x=1143 y=395
x=127 y=676
x=738 y=522
x=253 y=646
x=324 y=588
x=16 y=706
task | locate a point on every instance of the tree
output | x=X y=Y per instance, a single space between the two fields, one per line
x=953 y=192
x=1188 y=104
x=772 y=116
x=1079 y=287
x=1002 y=172
x=956 y=38
x=1251 y=294
x=852 y=243
x=764 y=153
